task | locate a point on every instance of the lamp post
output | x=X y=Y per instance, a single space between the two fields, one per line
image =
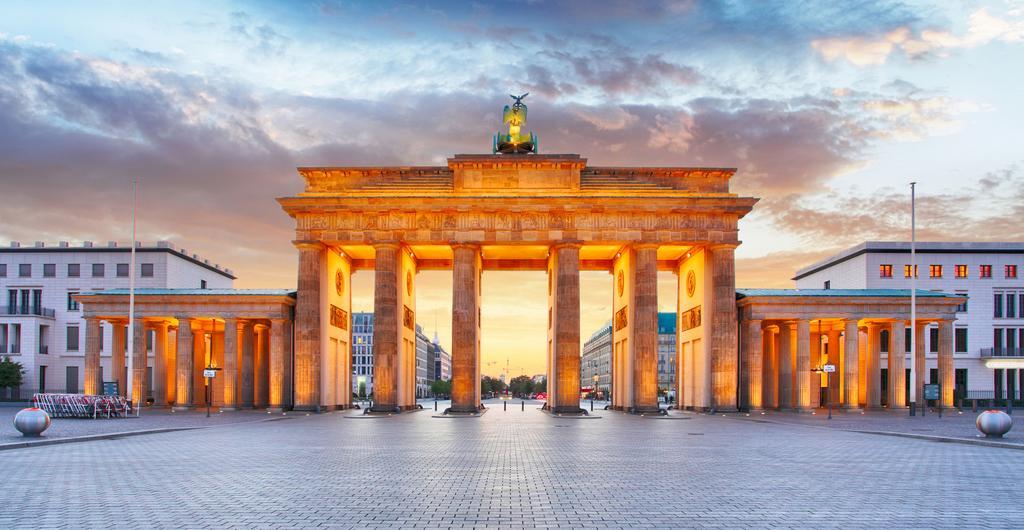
x=593 y=390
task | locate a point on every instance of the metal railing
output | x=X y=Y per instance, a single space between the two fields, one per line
x=1002 y=352
x=27 y=310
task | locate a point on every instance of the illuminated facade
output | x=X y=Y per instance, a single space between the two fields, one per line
x=551 y=213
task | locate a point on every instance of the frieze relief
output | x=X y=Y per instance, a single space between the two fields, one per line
x=556 y=220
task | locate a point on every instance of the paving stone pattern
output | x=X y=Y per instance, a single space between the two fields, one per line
x=511 y=469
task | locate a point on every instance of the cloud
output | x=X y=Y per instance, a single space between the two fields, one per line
x=846 y=218
x=982 y=28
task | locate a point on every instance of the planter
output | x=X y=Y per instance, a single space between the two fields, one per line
x=994 y=423
x=31 y=422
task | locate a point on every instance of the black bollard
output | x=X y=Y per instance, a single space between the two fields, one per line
x=435 y=404
x=504 y=406
x=524 y=406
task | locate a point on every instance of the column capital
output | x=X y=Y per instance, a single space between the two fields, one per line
x=393 y=245
x=464 y=244
x=722 y=246
x=645 y=246
x=567 y=243
x=306 y=244
x=277 y=321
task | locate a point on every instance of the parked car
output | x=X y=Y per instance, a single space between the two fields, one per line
x=540 y=396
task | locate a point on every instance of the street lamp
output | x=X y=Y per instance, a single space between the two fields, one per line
x=593 y=390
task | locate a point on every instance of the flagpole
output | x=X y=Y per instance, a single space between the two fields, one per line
x=131 y=306
x=913 y=296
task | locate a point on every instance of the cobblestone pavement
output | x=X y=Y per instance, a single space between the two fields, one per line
x=149 y=419
x=512 y=469
x=950 y=425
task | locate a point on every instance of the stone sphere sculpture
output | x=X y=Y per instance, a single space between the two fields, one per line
x=32 y=421
x=994 y=423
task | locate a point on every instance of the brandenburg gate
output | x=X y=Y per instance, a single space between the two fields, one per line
x=514 y=211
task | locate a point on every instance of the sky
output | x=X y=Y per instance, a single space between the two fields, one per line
x=828 y=110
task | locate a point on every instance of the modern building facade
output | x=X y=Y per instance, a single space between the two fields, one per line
x=432 y=361
x=41 y=324
x=988 y=334
x=442 y=360
x=362 y=354
x=597 y=356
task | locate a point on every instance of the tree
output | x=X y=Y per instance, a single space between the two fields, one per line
x=362 y=389
x=541 y=386
x=521 y=385
x=10 y=374
x=490 y=385
x=441 y=387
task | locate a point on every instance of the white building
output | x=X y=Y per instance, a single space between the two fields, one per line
x=362 y=354
x=989 y=327
x=41 y=326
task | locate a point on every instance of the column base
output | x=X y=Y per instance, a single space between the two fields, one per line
x=851 y=408
x=275 y=410
x=228 y=409
x=181 y=408
x=804 y=410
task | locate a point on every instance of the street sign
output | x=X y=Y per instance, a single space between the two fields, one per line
x=110 y=388
x=209 y=373
x=932 y=391
x=828 y=368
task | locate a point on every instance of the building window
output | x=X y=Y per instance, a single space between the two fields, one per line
x=202 y=284
x=906 y=271
x=14 y=337
x=122 y=270
x=98 y=270
x=935 y=271
x=828 y=284
x=883 y=338
x=997 y=305
x=962 y=308
x=1011 y=305
x=960 y=340
x=74 y=270
x=3 y=338
x=985 y=271
x=72 y=303
x=3 y=270
x=72 y=338
x=906 y=339
x=1011 y=271
x=933 y=339
x=960 y=271
x=997 y=339
x=147 y=270
x=25 y=270
x=885 y=271
x=49 y=270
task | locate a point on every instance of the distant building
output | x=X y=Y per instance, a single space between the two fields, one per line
x=362 y=353
x=432 y=361
x=42 y=327
x=442 y=360
x=597 y=355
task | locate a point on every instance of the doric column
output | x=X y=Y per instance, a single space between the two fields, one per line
x=183 y=358
x=946 y=362
x=834 y=358
x=385 y=328
x=851 y=376
x=312 y=257
x=919 y=364
x=262 y=371
x=723 y=331
x=771 y=368
x=277 y=347
x=247 y=368
x=815 y=377
x=803 y=365
x=118 y=332
x=139 y=362
x=874 y=366
x=786 y=330
x=564 y=381
x=93 y=337
x=229 y=368
x=198 y=364
x=755 y=356
x=897 y=393
x=645 y=369
x=466 y=267
x=160 y=364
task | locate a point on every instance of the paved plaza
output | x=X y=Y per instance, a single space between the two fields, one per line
x=511 y=469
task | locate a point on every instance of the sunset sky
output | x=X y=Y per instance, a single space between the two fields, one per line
x=828 y=110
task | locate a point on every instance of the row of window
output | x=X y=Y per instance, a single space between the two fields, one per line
x=1004 y=304
x=935 y=271
x=30 y=301
x=1008 y=339
x=74 y=270
x=959 y=340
